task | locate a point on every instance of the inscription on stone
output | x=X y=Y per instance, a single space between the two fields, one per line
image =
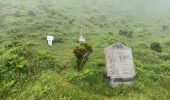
x=119 y=65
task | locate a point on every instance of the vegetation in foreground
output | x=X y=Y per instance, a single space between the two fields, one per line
x=30 y=69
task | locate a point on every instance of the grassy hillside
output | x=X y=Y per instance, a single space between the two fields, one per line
x=30 y=69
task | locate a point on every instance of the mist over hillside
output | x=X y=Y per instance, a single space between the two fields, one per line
x=144 y=13
x=30 y=69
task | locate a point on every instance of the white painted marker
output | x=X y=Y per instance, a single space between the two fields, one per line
x=50 y=40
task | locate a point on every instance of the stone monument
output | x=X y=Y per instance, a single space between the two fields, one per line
x=120 y=68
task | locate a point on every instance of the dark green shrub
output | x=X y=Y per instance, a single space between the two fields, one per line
x=31 y=13
x=15 y=61
x=17 y=14
x=126 y=32
x=110 y=33
x=101 y=25
x=156 y=46
x=71 y=21
x=82 y=53
x=52 y=12
x=164 y=27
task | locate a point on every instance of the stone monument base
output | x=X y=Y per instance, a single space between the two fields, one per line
x=114 y=82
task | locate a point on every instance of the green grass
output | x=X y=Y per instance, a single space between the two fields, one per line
x=50 y=72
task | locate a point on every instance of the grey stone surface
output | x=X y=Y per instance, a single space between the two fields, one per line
x=119 y=65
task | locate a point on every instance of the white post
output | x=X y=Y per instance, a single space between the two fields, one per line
x=50 y=43
x=81 y=39
x=50 y=40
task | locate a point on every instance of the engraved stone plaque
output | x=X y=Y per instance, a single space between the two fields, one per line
x=119 y=65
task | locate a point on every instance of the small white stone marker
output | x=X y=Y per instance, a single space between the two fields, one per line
x=81 y=39
x=50 y=40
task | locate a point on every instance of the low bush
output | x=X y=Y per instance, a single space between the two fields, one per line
x=19 y=62
x=126 y=32
x=17 y=13
x=156 y=46
x=110 y=33
x=82 y=53
x=31 y=13
x=71 y=21
x=164 y=27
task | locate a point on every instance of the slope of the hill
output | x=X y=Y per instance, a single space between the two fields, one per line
x=30 y=69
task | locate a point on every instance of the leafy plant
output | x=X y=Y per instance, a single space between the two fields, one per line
x=6 y=87
x=15 y=61
x=126 y=32
x=82 y=53
x=17 y=14
x=156 y=46
x=164 y=27
x=31 y=13
x=71 y=21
